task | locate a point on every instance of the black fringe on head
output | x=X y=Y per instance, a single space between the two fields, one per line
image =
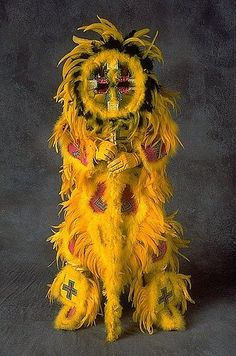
x=132 y=50
x=147 y=64
x=151 y=85
x=113 y=44
x=147 y=105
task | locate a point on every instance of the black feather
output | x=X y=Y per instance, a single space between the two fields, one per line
x=84 y=55
x=113 y=44
x=132 y=50
x=130 y=35
x=95 y=48
x=147 y=64
x=151 y=85
x=87 y=115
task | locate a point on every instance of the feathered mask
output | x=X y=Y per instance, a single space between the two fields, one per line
x=111 y=78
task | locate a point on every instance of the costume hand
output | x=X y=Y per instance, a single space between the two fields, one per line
x=124 y=161
x=106 y=151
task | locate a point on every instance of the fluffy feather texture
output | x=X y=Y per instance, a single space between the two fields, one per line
x=119 y=244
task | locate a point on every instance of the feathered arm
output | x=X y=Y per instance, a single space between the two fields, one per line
x=77 y=151
x=155 y=154
x=159 y=140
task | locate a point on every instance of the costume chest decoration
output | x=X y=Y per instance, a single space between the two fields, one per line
x=116 y=135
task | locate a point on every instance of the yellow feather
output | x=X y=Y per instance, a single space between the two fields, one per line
x=134 y=40
x=141 y=33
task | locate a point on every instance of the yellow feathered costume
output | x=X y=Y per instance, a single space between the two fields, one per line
x=116 y=135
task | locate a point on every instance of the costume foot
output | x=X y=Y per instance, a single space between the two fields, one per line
x=112 y=321
x=114 y=332
x=68 y=318
x=79 y=296
x=171 y=319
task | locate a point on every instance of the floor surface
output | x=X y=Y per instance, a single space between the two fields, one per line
x=26 y=320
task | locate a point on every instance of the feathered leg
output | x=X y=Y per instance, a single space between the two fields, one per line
x=159 y=292
x=79 y=296
x=113 y=309
x=113 y=281
x=161 y=300
x=114 y=276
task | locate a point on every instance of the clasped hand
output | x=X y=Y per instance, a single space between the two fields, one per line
x=107 y=151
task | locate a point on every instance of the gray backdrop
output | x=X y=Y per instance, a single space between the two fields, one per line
x=196 y=38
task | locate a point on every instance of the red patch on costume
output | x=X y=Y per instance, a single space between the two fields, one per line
x=71 y=245
x=155 y=152
x=71 y=312
x=97 y=202
x=128 y=204
x=162 y=247
x=75 y=150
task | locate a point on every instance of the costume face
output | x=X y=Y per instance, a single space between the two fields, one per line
x=109 y=81
x=113 y=84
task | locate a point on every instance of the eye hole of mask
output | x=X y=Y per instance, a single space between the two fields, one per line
x=102 y=82
x=102 y=85
x=124 y=84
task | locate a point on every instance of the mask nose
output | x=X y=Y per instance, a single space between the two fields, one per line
x=112 y=95
x=112 y=102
